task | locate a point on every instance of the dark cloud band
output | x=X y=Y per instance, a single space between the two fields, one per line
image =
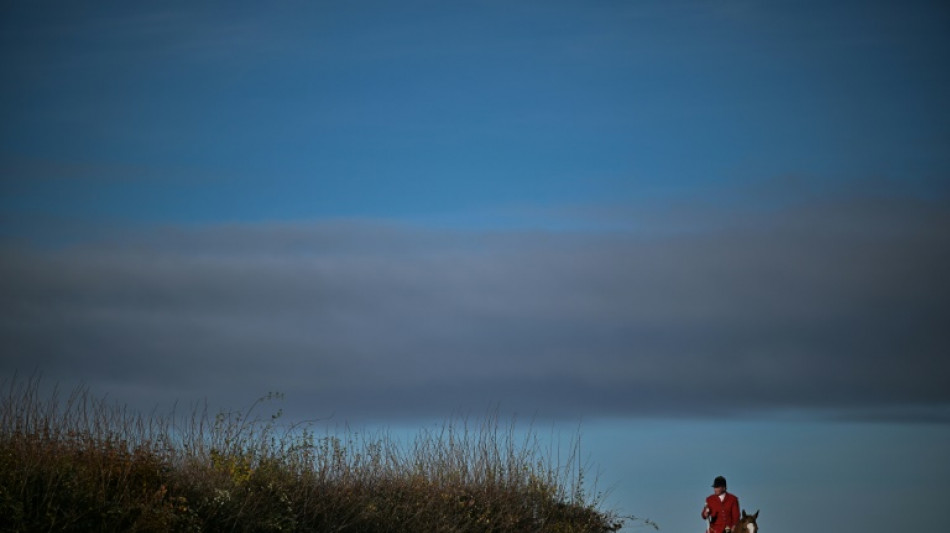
x=812 y=307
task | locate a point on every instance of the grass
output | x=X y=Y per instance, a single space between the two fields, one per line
x=83 y=464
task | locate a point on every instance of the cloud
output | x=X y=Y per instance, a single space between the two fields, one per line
x=836 y=305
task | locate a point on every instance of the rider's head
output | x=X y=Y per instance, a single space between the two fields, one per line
x=719 y=484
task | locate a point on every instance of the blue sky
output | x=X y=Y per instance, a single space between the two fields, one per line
x=667 y=219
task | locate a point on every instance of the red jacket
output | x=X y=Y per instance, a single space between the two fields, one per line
x=725 y=513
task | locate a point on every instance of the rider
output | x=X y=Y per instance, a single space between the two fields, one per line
x=721 y=509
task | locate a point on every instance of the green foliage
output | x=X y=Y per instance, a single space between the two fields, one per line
x=89 y=466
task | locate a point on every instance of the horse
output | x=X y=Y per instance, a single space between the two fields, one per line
x=747 y=523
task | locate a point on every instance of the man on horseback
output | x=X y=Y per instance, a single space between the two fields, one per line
x=721 y=509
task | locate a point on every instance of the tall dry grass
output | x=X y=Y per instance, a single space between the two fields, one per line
x=80 y=463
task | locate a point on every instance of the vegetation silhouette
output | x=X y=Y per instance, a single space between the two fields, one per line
x=85 y=464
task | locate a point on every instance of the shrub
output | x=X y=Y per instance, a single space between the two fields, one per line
x=85 y=465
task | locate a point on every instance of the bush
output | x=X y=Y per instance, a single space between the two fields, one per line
x=88 y=466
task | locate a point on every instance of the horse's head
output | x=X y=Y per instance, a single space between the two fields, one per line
x=747 y=523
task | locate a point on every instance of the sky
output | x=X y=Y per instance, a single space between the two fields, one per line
x=711 y=234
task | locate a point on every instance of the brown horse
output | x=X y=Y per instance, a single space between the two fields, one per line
x=747 y=523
